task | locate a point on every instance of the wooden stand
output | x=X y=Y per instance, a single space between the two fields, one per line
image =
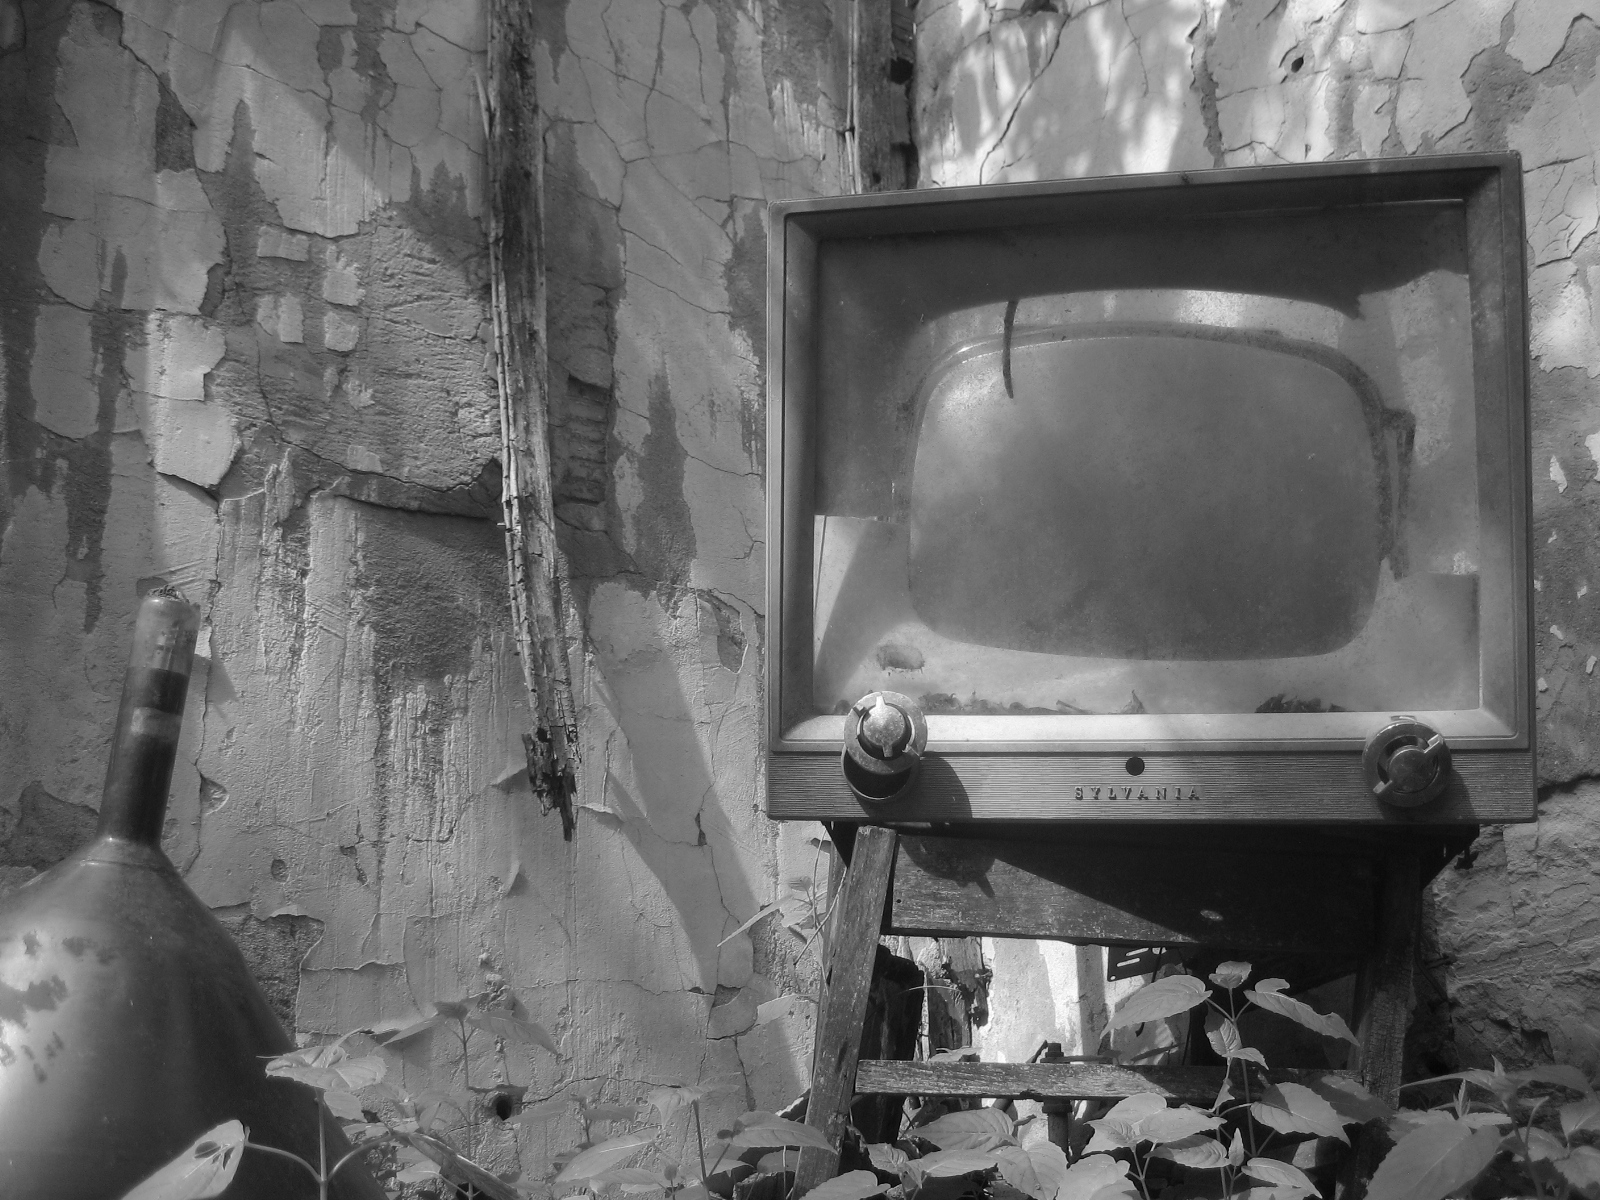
x=1348 y=902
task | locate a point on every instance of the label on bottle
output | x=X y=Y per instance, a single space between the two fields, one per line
x=153 y=723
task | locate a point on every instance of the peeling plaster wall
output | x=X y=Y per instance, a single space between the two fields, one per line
x=244 y=344
x=1015 y=90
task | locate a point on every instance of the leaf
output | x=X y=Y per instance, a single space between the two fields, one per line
x=1035 y=1170
x=461 y=1170
x=205 y=1169
x=1350 y=1100
x=1496 y=1081
x=1327 y=1024
x=766 y=1129
x=1432 y=1161
x=328 y=1068
x=944 y=1163
x=632 y=1180
x=1225 y=1040
x=668 y=1100
x=597 y=1160
x=1137 y=1107
x=1175 y=1124
x=973 y=1129
x=428 y=1103
x=420 y=1173
x=1164 y=998
x=1407 y=1119
x=1097 y=1177
x=852 y=1185
x=886 y=1157
x=1294 y=1108
x=593 y=1113
x=1544 y=1145
x=391 y=1033
x=1279 y=1174
x=342 y=1104
x=760 y=914
x=799 y=914
x=513 y=1029
x=1236 y=1149
x=1230 y=974
x=1273 y=985
x=1559 y=1074
x=1199 y=1152
x=1112 y=1133
x=454 y=1010
x=1581 y=1167
x=1224 y=1093
x=1580 y=1114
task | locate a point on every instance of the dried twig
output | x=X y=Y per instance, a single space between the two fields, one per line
x=535 y=571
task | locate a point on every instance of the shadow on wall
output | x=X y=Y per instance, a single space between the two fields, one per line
x=1068 y=88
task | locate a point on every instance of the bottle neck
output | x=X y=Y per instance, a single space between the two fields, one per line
x=145 y=744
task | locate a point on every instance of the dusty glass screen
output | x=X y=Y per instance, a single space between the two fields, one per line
x=1226 y=468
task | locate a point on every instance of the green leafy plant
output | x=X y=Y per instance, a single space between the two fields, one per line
x=601 y=1167
x=1227 y=1143
x=1233 y=1136
x=1542 y=1140
x=419 y=1133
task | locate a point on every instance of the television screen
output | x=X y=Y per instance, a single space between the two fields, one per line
x=1116 y=470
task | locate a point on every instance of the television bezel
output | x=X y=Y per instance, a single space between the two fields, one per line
x=1020 y=767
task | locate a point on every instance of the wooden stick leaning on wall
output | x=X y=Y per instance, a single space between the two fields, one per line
x=536 y=573
x=858 y=917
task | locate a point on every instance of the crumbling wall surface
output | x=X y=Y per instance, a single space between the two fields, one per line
x=667 y=128
x=1016 y=89
x=244 y=342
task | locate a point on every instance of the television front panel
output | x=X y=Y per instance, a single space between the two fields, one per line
x=1160 y=495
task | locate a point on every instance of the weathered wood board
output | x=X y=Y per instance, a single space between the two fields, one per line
x=1039 y=1081
x=1148 y=894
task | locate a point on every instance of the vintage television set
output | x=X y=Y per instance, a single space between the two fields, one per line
x=1172 y=498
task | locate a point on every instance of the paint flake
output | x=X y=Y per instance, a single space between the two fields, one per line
x=273 y=242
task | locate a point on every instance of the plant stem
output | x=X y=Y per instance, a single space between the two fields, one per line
x=700 y=1140
x=359 y=1148
x=1138 y=1168
x=466 y=1082
x=322 y=1152
x=276 y=1153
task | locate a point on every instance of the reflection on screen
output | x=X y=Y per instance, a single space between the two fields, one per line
x=1164 y=500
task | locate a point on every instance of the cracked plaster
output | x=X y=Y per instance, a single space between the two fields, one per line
x=251 y=360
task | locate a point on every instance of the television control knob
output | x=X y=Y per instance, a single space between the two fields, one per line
x=1407 y=763
x=885 y=734
x=884 y=730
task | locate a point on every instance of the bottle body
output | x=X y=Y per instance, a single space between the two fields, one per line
x=129 y=1020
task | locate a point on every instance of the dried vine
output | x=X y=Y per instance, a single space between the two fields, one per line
x=535 y=572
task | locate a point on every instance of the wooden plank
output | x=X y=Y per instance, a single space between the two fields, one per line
x=1141 y=893
x=845 y=988
x=879 y=107
x=1041 y=1081
x=1383 y=1010
x=893 y=1021
x=1383 y=987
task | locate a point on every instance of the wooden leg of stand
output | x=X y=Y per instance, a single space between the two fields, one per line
x=1384 y=986
x=1383 y=1000
x=844 y=1000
